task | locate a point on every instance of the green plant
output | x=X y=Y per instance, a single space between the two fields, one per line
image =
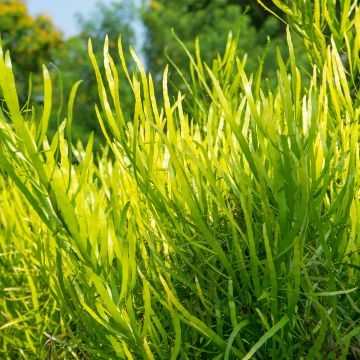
x=232 y=235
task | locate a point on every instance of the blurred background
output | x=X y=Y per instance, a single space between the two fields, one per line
x=55 y=33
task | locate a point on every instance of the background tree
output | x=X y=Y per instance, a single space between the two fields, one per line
x=211 y=21
x=31 y=40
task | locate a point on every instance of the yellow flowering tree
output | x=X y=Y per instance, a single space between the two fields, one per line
x=30 y=40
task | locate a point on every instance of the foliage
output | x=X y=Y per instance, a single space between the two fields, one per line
x=30 y=40
x=233 y=239
x=29 y=313
x=322 y=24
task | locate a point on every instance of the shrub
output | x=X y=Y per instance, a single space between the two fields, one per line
x=228 y=232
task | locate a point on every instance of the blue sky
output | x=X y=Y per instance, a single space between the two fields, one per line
x=63 y=12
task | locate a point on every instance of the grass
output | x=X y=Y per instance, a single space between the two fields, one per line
x=227 y=229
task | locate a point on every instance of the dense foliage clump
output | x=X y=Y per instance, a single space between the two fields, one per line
x=220 y=224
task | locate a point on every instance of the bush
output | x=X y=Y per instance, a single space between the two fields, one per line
x=228 y=232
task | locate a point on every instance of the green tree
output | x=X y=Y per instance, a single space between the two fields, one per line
x=211 y=21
